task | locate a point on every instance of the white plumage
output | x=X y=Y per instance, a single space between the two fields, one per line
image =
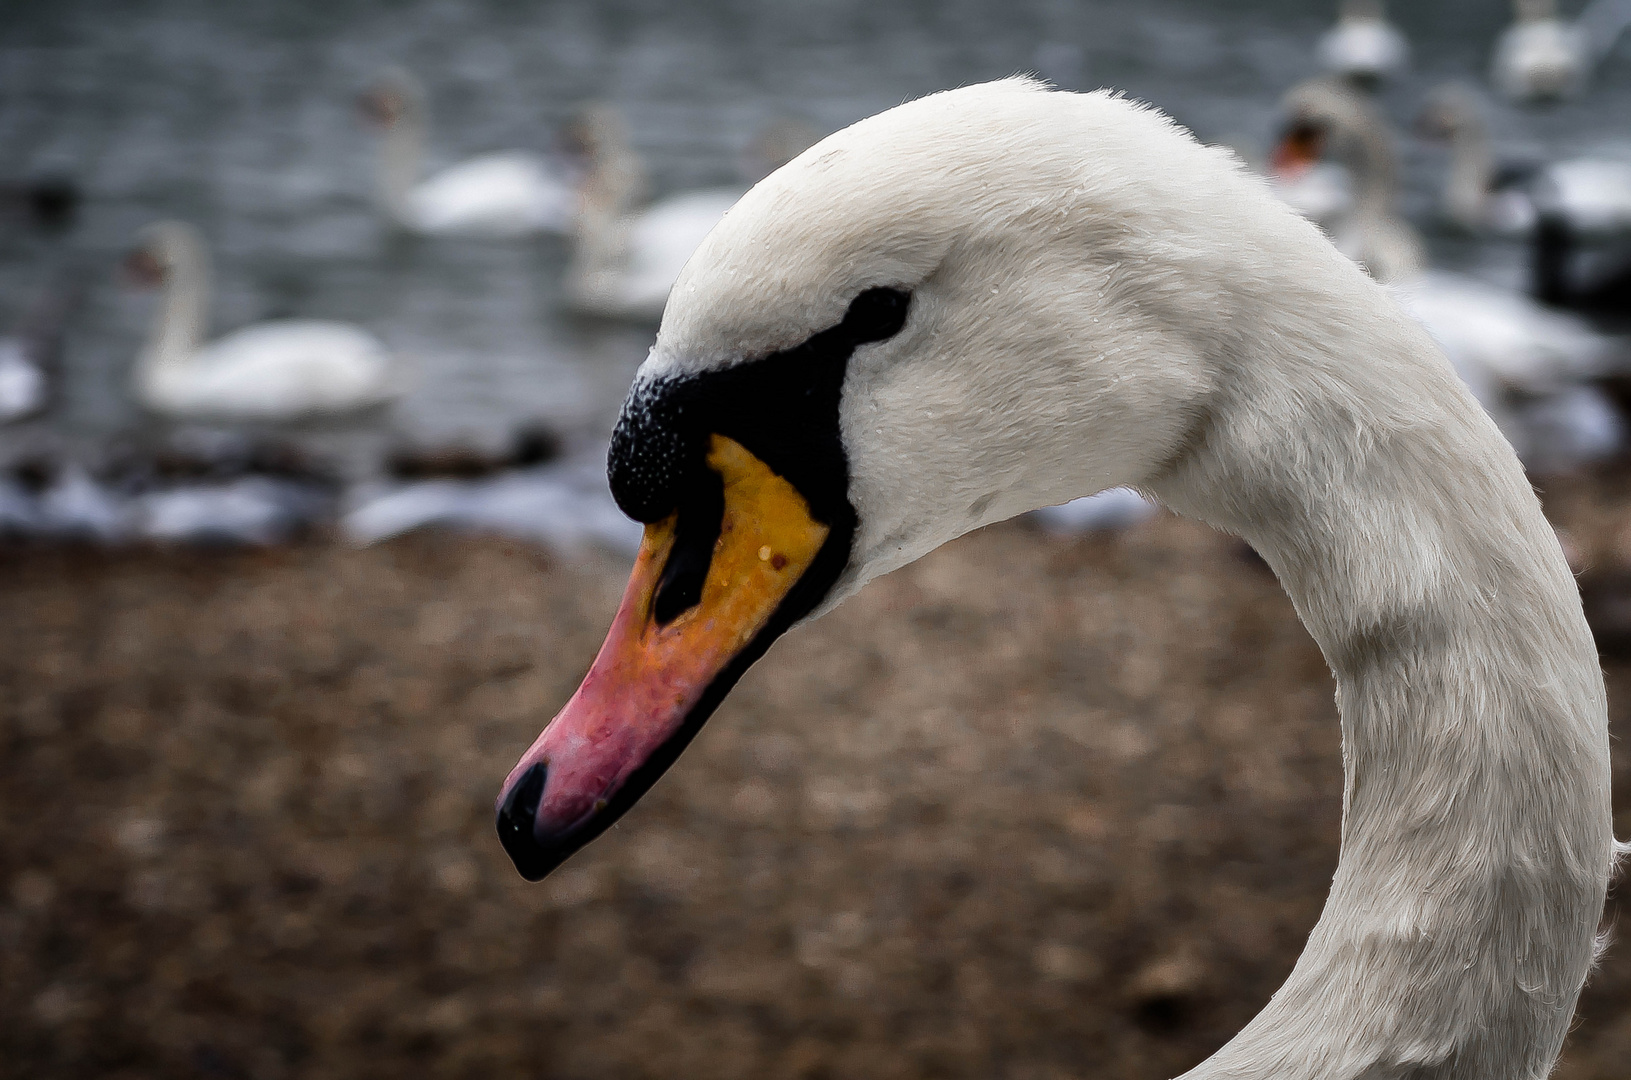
x=277 y=370
x=1097 y=300
x=509 y=193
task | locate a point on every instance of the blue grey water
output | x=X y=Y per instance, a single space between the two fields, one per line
x=240 y=118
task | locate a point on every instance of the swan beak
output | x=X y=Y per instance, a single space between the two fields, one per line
x=653 y=684
x=1299 y=150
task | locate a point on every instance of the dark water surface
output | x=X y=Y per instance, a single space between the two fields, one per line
x=239 y=118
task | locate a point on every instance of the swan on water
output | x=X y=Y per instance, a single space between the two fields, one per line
x=280 y=370
x=1003 y=297
x=1526 y=365
x=1541 y=57
x=508 y=193
x=1363 y=46
x=1592 y=195
x=626 y=252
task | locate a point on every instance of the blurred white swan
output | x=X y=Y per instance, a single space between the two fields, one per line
x=278 y=370
x=1542 y=57
x=1527 y=365
x=627 y=254
x=1592 y=195
x=504 y=194
x=1363 y=46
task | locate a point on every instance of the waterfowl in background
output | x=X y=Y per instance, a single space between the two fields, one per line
x=1363 y=47
x=626 y=253
x=508 y=193
x=1528 y=366
x=1327 y=120
x=281 y=370
x=1001 y=297
x=1542 y=57
x=30 y=358
x=1592 y=195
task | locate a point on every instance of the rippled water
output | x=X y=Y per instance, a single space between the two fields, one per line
x=240 y=119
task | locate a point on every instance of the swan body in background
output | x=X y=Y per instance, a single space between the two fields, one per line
x=281 y=370
x=1591 y=194
x=1001 y=297
x=627 y=253
x=1542 y=57
x=1363 y=46
x=509 y=193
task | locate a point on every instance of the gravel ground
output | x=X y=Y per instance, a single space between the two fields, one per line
x=1028 y=809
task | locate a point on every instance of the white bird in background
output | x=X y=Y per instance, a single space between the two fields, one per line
x=281 y=370
x=1000 y=297
x=508 y=193
x=626 y=252
x=1363 y=46
x=1542 y=57
x=1592 y=195
x=1527 y=365
x=30 y=358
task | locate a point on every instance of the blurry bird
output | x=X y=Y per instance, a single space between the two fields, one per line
x=1541 y=57
x=504 y=194
x=280 y=370
x=1363 y=47
x=30 y=358
x=627 y=253
x=1528 y=366
x=1325 y=121
x=1591 y=195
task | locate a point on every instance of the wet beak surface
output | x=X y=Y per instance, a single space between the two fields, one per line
x=1297 y=152
x=635 y=710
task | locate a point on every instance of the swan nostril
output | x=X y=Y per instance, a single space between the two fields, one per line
x=517 y=815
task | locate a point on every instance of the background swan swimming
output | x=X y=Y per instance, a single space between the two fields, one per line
x=280 y=370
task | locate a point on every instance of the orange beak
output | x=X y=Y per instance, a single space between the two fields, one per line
x=1299 y=150
x=653 y=684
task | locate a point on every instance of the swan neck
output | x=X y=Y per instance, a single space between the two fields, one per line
x=178 y=328
x=401 y=159
x=1472 y=170
x=1476 y=839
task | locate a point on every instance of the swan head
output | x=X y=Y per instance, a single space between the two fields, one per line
x=160 y=250
x=978 y=303
x=393 y=98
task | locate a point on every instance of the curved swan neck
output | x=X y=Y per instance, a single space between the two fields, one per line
x=1472 y=167
x=402 y=152
x=183 y=313
x=1475 y=839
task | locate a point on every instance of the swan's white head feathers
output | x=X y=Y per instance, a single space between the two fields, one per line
x=1063 y=252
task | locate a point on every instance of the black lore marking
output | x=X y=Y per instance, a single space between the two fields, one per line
x=783 y=408
x=702 y=514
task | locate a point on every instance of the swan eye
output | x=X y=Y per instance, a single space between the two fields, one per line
x=876 y=315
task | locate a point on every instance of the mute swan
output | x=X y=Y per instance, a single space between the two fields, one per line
x=1525 y=364
x=1540 y=57
x=505 y=194
x=627 y=255
x=1328 y=120
x=1000 y=297
x=1363 y=46
x=1591 y=195
x=272 y=371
